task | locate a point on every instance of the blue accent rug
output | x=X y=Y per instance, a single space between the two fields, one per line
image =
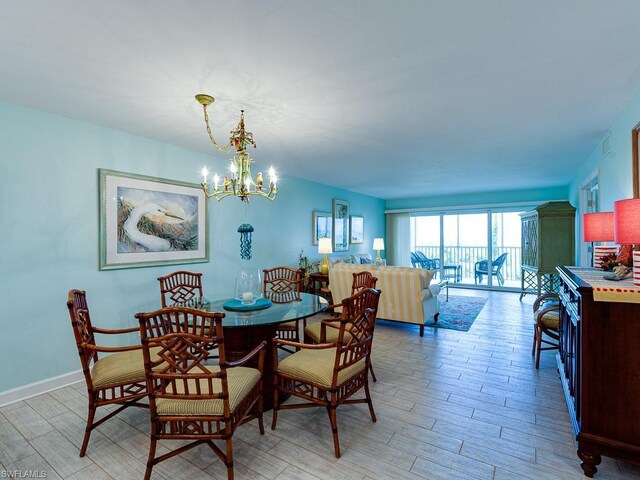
x=458 y=313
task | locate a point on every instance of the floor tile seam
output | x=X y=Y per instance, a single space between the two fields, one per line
x=52 y=467
x=449 y=466
x=551 y=470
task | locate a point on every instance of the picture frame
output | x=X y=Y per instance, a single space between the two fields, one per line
x=340 y=225
x=356 y=229
x=321 y=225
x=149 y=221
x=635 y=158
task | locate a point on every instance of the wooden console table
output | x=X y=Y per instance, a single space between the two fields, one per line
x=599 y=365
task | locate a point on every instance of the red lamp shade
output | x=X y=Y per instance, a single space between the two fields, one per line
x=626 y=221
x=598 y=227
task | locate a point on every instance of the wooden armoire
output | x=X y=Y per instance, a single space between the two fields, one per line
x=548 y=241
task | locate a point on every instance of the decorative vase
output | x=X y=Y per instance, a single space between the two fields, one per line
x=601 y=251
x=248 y=286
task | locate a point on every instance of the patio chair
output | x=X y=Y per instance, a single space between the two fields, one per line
x=420 y=260
x=482 y=268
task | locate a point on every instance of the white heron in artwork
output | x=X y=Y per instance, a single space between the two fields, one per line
x=150 y=242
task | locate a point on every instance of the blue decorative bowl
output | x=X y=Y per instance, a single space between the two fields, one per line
x=237 y=306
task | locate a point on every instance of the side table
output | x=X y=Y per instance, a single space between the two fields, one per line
x=316 y=278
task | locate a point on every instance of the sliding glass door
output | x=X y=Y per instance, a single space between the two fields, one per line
x=471 y=248
x=465 y=246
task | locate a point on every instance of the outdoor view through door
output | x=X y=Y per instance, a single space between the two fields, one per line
x=471 y=248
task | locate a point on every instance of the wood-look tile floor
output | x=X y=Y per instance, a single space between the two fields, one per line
x=449 y=405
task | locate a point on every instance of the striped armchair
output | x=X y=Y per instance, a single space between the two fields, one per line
x=407 y=294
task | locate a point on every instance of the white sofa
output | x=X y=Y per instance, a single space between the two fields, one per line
x=407 y=293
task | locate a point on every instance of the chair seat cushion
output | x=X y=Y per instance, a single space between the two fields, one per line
x=316 y=366
x=121 y=367
x=240 y=380
x=313 y=332
x=549 y=320
x=292 y=325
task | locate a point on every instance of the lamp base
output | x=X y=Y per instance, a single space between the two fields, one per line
x=601 y=251
x=636 y=268
x=324 y=267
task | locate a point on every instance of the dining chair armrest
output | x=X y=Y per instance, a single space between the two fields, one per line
x=539 y=300
x=310 y=346
x=98 y=348
x=111 y=331
x=323 y=328
x=260 y=349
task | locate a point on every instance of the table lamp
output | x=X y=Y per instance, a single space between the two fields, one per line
x=598 y=227
x=626 y=225
x=324 y=247
x=378 y=244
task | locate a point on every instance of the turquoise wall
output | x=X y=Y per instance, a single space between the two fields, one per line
x=484 y=198
x=615 y=168
x=49 y=242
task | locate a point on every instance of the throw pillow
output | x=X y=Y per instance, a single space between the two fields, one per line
x=425 y=277
x=365 y=261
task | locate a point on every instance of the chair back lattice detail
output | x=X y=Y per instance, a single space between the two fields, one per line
x=184 y=337
x=82 y=328
x=282 y=280
x=180 y=287
x=358 y=320
x=362 y=280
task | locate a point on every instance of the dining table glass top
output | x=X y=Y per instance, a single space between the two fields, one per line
x=284 y=308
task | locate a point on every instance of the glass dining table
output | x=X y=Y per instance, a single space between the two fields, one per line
x=244 y=330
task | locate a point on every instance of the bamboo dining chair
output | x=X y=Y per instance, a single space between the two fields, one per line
x=546 y=319
x=189 y=400
x=116 y=379
x=319 y=333
x=328 y=374
x=180 y=287
x=281 y=285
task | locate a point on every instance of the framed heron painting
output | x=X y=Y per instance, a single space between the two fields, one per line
x=148 y=221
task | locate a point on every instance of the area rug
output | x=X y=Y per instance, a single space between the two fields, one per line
x=458 y=313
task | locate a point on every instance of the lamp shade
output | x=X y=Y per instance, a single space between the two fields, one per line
x=378 y=243
x=324 y=246
x=626 y=221
x=598 y=227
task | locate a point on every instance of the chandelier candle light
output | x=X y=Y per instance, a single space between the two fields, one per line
x=239 y=182
x=598 y=227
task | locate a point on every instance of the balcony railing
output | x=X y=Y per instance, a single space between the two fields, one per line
x=466 y=257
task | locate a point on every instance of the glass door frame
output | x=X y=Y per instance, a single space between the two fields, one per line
x=489 y=211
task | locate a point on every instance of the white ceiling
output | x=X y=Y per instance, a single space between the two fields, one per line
x=389 y=98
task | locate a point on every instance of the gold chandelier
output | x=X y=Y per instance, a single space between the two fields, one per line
x=239 y=181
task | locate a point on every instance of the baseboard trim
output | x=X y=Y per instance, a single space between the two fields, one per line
x=38 y=388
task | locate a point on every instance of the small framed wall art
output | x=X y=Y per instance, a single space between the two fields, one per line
x=340 y=225
x=321 y=226
x=356 y=229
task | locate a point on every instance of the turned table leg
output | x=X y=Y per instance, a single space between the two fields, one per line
x=589 y=462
